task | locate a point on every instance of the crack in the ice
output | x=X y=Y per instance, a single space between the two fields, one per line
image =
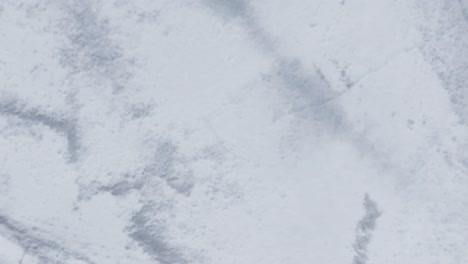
x=223 y=145
x=379 y=67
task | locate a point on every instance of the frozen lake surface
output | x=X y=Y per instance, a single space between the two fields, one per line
x=233 y=132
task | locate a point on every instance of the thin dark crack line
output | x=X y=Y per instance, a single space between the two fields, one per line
x=221 y=143
x=332 y=98
x=268 y=42
x=352 y=84
x=381 y=66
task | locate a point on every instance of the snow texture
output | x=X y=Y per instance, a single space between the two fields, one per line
x=233 y=131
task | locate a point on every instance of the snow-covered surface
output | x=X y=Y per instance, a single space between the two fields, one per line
x=234 y=131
